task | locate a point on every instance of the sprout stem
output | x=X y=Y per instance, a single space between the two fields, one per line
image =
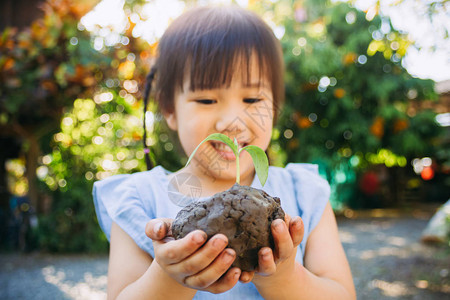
x=237 y=150
x=238 y=172
x=258 y=156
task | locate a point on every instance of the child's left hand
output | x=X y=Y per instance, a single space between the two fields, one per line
x=279 y=263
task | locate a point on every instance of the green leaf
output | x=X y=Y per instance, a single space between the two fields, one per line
x=217 y=137
x=260 y=161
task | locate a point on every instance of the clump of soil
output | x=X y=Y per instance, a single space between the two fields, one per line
x=244 y=214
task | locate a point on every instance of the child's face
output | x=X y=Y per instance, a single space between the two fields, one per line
x=240 y=111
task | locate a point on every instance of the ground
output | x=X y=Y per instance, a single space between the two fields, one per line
x=388 y=261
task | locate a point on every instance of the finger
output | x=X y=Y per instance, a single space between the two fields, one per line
x=204 y=256
x=246 y=276
x=157 y=229
x=287 y=219
x=282 y=239
x=226 y=282
x=296 y=230
x=172 y=252
x=266 y=262
x=213 y=272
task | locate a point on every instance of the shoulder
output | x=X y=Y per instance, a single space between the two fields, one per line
x=303 y=184
x=125 y=183
x=120 y=181
x=307 y=179
x=303 y=177
x=312 y=189
x=130 y=201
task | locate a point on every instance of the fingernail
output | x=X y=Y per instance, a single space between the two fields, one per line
x=265 y=254
x=278 y=225
x=265 y=251
x=228 y=256
x=297 y=223
x=236 y=275
x=199 y=238
x=219 y=243
x=158 y=227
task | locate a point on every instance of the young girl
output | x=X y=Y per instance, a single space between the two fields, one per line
x=220 y=69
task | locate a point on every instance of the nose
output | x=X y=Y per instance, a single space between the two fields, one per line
x=229 y=121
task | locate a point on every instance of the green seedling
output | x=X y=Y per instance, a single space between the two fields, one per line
x=258 y=155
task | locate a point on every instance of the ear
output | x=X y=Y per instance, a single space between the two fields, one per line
x=171 y=120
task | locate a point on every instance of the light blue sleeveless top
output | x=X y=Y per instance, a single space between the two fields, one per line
x=132 y=200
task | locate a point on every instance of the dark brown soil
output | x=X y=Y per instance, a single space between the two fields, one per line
x=244 y=214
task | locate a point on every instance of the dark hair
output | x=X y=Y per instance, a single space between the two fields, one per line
x=206 y=44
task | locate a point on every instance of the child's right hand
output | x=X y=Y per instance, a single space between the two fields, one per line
x=190 y=264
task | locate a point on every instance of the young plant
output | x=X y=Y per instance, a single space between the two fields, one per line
x=259 y=157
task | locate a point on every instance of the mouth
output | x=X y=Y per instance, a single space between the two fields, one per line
x=224 y=151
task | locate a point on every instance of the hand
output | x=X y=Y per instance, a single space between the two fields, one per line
x=192 y=262
x=287 y=236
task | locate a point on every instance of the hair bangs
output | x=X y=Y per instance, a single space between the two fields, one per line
x=215 y=65
x=208 y=45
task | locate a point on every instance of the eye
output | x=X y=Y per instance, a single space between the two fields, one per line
x=205 y=101
x=252 y=100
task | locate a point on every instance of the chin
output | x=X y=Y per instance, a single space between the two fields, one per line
x=228 y=173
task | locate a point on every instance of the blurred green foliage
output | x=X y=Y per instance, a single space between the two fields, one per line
x=347 y=94
x=43 y=69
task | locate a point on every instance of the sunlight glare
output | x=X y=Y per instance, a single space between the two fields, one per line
x=391 y=289
x=90 y=288
x=157 y=16
x=108 y=13
x=411 y=17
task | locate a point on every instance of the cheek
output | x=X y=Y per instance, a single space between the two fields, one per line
x=262 y=136
x=267 y=137
x=262 y=124
x=191 y=133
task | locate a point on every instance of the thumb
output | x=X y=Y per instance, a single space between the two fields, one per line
x=158 y=229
